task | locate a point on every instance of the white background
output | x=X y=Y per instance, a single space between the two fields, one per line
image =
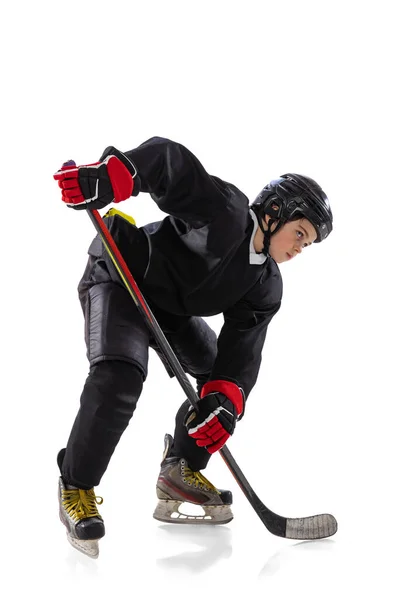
x=254 y=89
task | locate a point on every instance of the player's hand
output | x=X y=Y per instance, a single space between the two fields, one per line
x=93 y=186
x=221 y=404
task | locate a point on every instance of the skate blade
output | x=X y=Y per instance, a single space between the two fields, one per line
x=88 y=547
x=168 y=511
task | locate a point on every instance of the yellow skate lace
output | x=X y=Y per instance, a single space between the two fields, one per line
x=81 y=504
x=198 y=480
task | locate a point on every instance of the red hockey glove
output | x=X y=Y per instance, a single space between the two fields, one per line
x=218 y=410
x=96 y=185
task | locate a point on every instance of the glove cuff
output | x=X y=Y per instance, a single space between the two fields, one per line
x=111 y=150
x=233 y=392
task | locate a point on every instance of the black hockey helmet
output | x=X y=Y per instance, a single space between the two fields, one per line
x=290 y=197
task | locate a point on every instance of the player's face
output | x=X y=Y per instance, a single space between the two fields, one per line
x=291 y=239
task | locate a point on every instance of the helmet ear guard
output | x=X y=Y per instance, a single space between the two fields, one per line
x=274 y=209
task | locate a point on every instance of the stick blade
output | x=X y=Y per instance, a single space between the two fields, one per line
x=311 y=528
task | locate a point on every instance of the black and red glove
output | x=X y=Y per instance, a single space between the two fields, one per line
x=95 y=185
x=221 y=404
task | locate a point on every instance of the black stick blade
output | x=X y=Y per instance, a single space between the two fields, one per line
x=311 y=528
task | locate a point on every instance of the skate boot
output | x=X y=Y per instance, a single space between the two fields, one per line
x=177 y=484
x=79 y=514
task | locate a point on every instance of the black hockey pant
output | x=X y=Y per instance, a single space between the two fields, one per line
x=117 y=345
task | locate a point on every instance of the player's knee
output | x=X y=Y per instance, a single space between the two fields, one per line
x=115 y=382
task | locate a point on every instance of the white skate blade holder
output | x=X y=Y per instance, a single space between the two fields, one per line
x=169 y=511
x=88 y=547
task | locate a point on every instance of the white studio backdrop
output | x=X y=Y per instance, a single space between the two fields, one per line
x=255 y=90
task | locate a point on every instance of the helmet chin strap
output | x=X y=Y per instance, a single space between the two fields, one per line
x=272 y=212
x=267 y=236
x=268 y=233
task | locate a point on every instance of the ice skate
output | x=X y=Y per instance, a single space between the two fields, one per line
x=177 y=484
x=79 y=514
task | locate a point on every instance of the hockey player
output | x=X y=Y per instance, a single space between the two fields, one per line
x=212 y=254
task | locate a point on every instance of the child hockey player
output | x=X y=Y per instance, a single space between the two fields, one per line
x=212 y=254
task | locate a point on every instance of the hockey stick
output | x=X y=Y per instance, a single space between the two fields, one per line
x=307 y=528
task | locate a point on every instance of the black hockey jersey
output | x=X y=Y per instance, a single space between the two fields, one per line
x=198 y=259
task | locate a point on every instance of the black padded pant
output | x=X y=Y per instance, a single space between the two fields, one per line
x=108 y=401
x=117 y=346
